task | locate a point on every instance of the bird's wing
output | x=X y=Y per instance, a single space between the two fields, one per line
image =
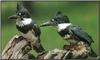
x=38 y=46
x=79 y=33
x=35 y=28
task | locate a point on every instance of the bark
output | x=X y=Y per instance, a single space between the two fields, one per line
x=18 y=48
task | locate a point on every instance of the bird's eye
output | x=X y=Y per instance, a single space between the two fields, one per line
x=19 y=13
x=52 y=20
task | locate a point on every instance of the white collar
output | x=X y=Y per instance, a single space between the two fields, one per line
x=25 y=21
x=63 y=26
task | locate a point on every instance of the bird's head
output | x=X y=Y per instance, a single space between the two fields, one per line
x=59 y=18
x=20 y=13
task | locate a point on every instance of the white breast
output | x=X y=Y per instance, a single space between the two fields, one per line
x=23 y=22
x=30 y=36
x=63 y=26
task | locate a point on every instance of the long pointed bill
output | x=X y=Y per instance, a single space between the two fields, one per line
x=48 y=23
x=13 y=17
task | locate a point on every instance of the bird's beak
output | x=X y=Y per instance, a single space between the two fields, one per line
x=48 y=23
x=13 y=17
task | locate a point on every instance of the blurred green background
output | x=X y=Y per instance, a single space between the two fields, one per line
x=84 y=14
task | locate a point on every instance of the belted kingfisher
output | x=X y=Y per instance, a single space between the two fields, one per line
x=28 y=28
x=67 y=30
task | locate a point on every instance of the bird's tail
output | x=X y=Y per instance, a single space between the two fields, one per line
x=92 y=53
x=38 y=47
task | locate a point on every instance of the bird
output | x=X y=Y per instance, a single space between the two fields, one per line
x=68 y=31
x=27 y=27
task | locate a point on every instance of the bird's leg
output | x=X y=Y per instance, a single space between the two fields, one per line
x=36 y=45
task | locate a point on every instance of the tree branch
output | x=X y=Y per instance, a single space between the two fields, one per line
x=18 y=48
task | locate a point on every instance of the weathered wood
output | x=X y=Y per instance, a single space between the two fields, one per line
x=76 y=51
x=64 y=54
x=54 y=54
x=16 y=48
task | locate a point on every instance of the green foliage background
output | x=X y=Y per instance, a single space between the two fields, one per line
x=83 y=14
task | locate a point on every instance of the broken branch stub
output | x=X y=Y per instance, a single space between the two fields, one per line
x=16 y=48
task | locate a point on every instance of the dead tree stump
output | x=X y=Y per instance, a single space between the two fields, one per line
x=77 y=51
x=16 y=48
